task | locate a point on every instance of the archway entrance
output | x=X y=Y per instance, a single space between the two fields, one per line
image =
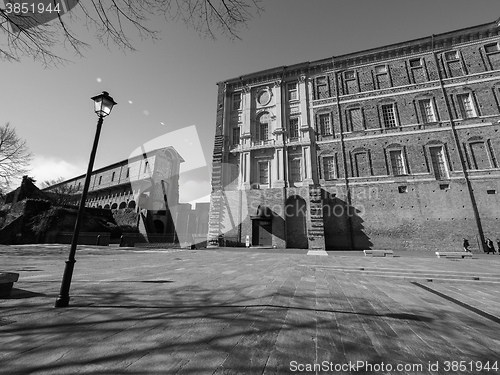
x=296 y=229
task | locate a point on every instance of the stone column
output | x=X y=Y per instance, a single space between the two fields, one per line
x=246 y=126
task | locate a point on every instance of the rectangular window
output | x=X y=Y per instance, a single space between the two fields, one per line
x=355 y=119
x=325 y=124
x=454 y=65
x=100 y=180
x=350 y=83
x=397 y=162
x=295 y=173
x=415 y=63
x=480 y=159
x=294 y=128
x=438 y=162
x=348 y=75
x=389 y=115
x=466 y=106
x=362 y=165
x=322 y=91
x=236 y=101
x=293 y=93
x=236 y=135
x=113 y=176
x=493 y=56
x=491 y=48
x=128 y=172
x=329 y=168
x=382 y=77
x=264 y=132
x=264 y=173
x=427 y=111
x=451 y=56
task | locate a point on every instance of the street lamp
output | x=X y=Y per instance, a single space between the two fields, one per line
x=103 y=104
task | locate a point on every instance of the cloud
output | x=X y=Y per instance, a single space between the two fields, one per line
x=45 y=168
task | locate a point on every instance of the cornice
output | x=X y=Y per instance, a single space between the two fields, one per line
x=436 y=43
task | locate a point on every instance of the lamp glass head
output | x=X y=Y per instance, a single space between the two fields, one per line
x=103 y=104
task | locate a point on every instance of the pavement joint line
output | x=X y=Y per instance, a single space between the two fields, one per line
x=484 y=314
x=468 y=273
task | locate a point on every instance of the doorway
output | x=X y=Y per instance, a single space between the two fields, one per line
x=262 y=233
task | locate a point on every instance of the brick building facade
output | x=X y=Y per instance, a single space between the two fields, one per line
x=394 y=147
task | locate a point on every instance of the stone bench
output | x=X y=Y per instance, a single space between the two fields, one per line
x=7 y=280
x=453 y=254
x=379 y=253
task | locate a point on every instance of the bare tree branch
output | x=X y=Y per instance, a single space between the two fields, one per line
x=113 y=22
x=62 y=193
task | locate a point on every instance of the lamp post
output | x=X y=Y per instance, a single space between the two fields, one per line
x=103 y=104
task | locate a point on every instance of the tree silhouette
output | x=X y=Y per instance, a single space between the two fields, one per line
x=14 y=156
x=34 y=28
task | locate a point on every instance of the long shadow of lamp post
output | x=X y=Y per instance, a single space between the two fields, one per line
x=103 y=104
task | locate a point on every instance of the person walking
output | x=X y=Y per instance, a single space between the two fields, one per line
x=490 y=248
x=466 y=245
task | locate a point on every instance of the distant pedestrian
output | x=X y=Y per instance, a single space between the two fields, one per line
x=498 y=245
x=490 y=248
x=466 y=245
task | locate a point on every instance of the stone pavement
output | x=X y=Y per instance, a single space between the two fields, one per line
x=238 y=311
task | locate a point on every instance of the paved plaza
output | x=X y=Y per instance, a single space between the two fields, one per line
x=239 y=311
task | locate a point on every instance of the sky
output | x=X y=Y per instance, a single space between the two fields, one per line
x=170 y=84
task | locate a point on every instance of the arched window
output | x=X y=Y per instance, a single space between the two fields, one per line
x=262 y=127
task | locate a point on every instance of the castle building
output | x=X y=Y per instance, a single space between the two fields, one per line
x=147 y=183
x=395 y=147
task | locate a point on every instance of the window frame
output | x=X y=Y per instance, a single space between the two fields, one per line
x=289 y=91
x=296 y=161
x=497 y=50
x=447 y=60
x=423 y=111
x=327 y=174
x=267 y=169
x=420 y=63
x=349 y=78
x=236 y=133
x=488 y=149
x=234 y=101
x=317 y=86
x=294 y=134
x=355 y=165
x=321 y=125
x=462 y=110
x=349 y=118
x=445 y=161
x=394 y=169
x=394 y=114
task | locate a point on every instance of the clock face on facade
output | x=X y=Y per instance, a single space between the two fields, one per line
x=264 y=97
